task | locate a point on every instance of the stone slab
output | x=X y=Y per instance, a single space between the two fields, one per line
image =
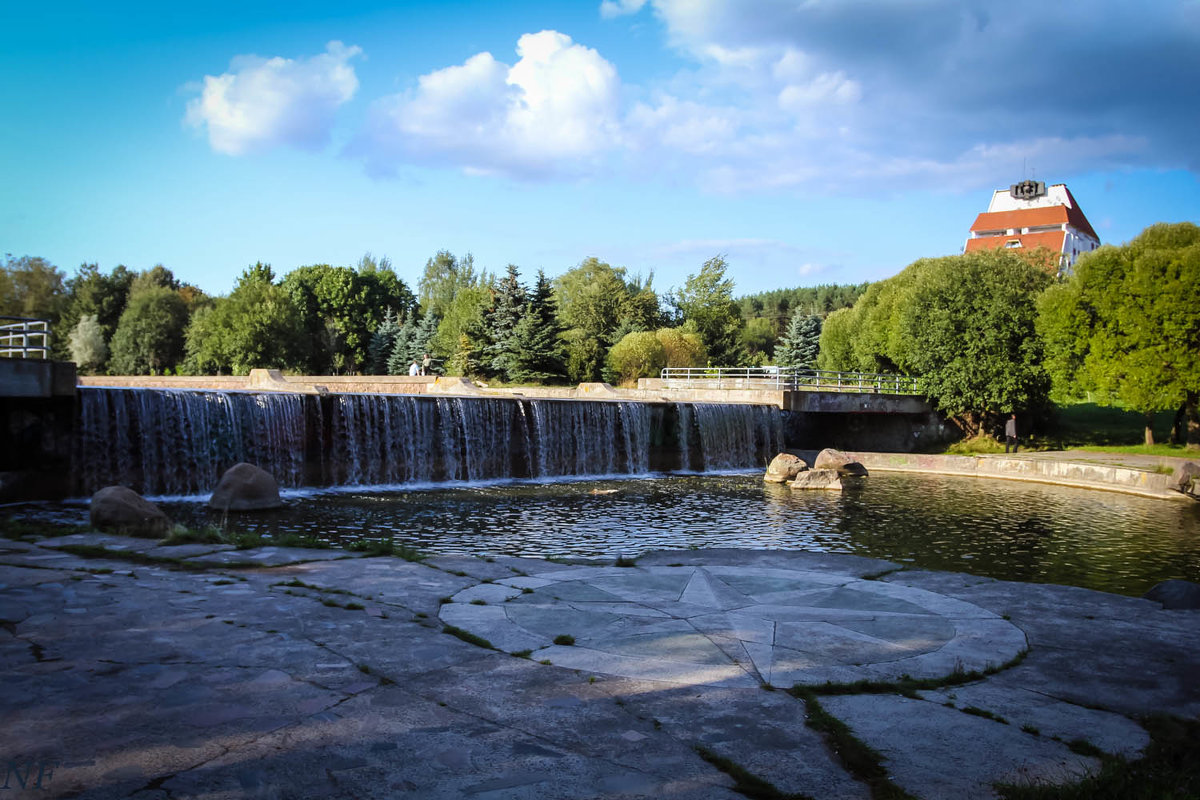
x=923 y=744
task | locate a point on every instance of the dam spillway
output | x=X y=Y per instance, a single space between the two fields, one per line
x=180 y=441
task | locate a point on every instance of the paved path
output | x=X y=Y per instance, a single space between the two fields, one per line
x=335 y=677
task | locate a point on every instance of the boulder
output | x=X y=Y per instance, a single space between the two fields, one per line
x=119 y=509
x=818 y=479
x=245 y=487
x=1187 y=479
x=784 y=467
x=836 y=459
x=1175 y=594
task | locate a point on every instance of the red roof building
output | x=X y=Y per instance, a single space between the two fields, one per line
x=1030 y=215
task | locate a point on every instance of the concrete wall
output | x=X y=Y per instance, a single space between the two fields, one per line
x=37 y=426
x=1043 y=470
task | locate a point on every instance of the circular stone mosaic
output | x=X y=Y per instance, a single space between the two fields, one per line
x=733 y=625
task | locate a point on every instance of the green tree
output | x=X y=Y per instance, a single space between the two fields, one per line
x=31 y=286
x=537 y=347
x=340 y=308
x=508 y=307
x=638 y=355
x=836 y=349
x=801 y=345
x=681 y=348
x=149 y=339
x=383 y=340
x=256 y=327
x=597 y=306
x=402 y=355
x=1126 y=325
x=758 y=339
x=706 y=303
x=967 y=325
x=89 y=351
x=99 y=294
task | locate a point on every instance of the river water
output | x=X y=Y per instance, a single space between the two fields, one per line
x=1003 y=529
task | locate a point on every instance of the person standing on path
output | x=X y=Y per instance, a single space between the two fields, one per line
x=1010 y=434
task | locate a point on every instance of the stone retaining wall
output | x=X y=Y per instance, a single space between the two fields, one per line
x=1043 y=470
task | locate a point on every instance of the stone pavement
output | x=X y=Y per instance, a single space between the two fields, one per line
x=277 y=673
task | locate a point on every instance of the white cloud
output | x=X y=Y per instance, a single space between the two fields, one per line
x=619 y=8
x=263 y=102
x=556 y=109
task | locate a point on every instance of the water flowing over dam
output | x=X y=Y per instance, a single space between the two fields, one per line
x=179 y=441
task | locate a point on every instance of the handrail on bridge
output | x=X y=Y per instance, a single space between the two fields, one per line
x=790 y=378
x=16 y=334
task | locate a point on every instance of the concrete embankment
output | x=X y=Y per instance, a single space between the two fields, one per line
x=152 y=671
x=1141 y=475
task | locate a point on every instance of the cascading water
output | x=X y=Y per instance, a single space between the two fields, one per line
x=733 y=436
x=172 y=441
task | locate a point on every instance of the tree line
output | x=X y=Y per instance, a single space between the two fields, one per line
x=991 y=332
x=987 y=333
x=593 y=322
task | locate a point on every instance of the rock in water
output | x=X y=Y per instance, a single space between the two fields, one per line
x=818 y=479
x=837 y=460
x=245 y=487
x=119 y=509
x=784 y=467
x=1187 y=480
x=1175 y=594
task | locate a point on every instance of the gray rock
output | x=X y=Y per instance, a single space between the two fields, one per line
x=119 y=509
x=837 y=460
x=784 y=467
x=245 y=487
x=818 y=479
x=1175 y=594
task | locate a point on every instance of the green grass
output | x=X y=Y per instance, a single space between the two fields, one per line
x=468 y=637
x=386 y=547
x=744 y=781
x=859 y=759
x=564 y=639
x=1170 y=770
x=206 y=535
x=17 y=528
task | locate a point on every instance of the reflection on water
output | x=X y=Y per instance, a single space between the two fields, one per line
x=1001 y=529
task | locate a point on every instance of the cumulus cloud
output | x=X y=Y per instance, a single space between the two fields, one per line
x=555 y=110
x=877 y=92
x=263 y=102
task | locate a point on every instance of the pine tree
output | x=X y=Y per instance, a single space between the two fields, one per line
x=383 y=341
x=537 y=352
x=509 y=306
x=422 y=337
x=400 y=358
x=800 y=346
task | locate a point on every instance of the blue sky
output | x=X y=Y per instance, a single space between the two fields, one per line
x=809 y=141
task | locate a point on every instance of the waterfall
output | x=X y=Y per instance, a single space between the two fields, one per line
x=177 y=441
x=735 y=436
x=174 y=441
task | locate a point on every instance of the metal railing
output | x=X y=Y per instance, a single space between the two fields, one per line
x=17 y=335
x=789 y=378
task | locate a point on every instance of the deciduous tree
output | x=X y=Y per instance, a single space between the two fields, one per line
x=1126 y=325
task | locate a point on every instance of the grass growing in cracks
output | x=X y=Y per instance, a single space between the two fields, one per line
x=1169 y=770
x=744 y=781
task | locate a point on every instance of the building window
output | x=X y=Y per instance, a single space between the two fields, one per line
x=1013 y=243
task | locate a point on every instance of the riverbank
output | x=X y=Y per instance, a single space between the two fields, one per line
x=1148 y=476
x=134 y=670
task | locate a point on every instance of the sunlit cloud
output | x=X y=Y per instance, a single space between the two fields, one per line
x=264 y=102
